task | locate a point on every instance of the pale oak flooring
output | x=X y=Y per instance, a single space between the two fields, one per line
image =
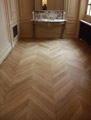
x=46 y=80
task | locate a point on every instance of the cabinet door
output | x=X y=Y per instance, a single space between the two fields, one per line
x=72 y=9
x=55 y=4
x=59 y=4
x=50 y=5
x=72 y=14
x=24 y=6
x=25 y=11
x=38 y=4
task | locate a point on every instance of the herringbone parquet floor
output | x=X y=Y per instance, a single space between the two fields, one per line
x=46 y=80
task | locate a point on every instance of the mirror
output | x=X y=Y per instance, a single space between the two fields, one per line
x=44 y=4
x=49 y=4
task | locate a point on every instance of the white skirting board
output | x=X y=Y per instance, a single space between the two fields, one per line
x=14 y=41
x=4 y=52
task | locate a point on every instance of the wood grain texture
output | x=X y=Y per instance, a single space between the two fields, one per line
x=46 y=80
x=72 y=12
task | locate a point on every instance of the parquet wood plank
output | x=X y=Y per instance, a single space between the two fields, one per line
x=46 y=80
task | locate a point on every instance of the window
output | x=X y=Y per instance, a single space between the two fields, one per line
x=89 y=8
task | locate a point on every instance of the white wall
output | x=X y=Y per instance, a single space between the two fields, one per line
x=5 y=45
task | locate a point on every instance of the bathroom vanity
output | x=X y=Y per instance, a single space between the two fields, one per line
x=48 y=18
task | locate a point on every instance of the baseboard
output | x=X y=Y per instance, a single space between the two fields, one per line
x=14 y=41
x=3 y=53
x=70 y=37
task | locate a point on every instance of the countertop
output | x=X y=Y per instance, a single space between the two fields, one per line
x=49 y=20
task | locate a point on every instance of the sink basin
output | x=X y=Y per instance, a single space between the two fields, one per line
x=49 y=20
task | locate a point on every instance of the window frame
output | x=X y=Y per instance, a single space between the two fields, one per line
x=89 y=9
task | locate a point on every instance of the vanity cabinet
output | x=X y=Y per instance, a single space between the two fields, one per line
x=71 y=7
x=85 y=31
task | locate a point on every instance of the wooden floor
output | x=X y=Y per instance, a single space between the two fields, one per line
x=46 y=80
